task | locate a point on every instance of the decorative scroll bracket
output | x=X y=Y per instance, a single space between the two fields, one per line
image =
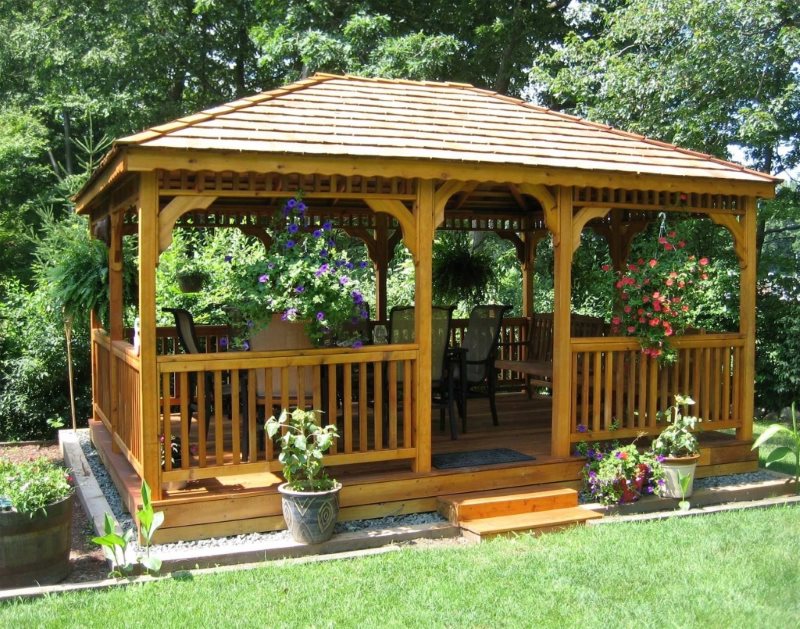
x=400 y=212
x=173 y=211
x=443 y=194
x=549 y=206
x=730 y=222
x=581 y=218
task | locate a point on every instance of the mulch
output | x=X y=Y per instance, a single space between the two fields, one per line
x=86 y=557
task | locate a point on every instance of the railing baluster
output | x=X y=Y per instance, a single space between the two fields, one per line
x=363 y=432
x=235 y=418
x=377 y=386
x=186 y=419
x=408 y=385
x=392 y=377
x=219 y=431
x=202 y=418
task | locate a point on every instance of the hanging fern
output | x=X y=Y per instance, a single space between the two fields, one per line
x=461 y=272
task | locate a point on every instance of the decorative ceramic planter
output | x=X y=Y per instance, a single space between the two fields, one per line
x=35 y=550
x=673 y=469
x=310 y=515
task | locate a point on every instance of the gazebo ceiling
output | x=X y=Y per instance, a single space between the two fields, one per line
x=330 y=115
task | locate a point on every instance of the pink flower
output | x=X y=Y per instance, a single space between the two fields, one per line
x=605 y=267
x=627 y=308
x=616 y=320
x=703 y=261
x=653 y=263
x=631 y=329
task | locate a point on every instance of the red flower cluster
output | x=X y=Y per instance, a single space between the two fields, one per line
x=656 y=296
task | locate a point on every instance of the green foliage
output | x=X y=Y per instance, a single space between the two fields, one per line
x=115 y=547
x=303 y=444
x=33 y=367
x=461 y=272
x=149 y=522
x=677 y=439
x=793 y=446
x=32 y=486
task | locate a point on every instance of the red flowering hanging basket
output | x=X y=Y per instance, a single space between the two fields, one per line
x=657 y=295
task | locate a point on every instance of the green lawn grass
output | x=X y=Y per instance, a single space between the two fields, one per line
x=732 y=569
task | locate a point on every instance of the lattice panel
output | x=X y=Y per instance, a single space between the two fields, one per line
x=658 y=200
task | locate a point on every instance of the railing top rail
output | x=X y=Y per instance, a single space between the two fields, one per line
x=622 y=343
x=283 y=358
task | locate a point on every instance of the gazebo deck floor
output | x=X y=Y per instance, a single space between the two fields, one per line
x=247 y=503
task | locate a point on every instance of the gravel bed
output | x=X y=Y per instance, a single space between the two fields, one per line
x=734 y=480
x=126 y=522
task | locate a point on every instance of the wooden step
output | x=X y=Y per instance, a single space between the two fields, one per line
x=537 y=522
x=489 y=504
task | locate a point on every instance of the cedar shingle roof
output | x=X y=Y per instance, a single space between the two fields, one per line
x=330 y=115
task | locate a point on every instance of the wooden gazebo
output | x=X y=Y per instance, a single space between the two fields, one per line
x=387 y=160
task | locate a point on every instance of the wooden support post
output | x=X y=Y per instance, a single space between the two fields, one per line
x=747 y=318
x=562 y=280
x=149 y=385
x=616 y=242
x=531 y=240
x=423 y=295
x=382 y=257
x=115 y=317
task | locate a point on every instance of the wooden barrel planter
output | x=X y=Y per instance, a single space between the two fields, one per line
x=35 y=550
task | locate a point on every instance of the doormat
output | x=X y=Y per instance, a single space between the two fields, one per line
x=478 y=457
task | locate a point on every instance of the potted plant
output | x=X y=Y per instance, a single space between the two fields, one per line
x=619 y=474
x=191 y=277
x=35 y=522
x=657 y=295
x=309 y=498
x=308 y=275
x=677 y=449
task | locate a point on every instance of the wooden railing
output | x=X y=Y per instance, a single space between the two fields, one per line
x=617 y=391
x=127 y=429
x=211 y=338
x=225 y=398
x=511 y=345
x=101 y=376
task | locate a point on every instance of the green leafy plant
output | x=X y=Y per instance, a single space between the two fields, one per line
x=677 y=439
x=781 y=451
x=616 y=474
x=307 y=276
x=683 y=481
x=149 y=521
x=461 y=272
x=31 y=486
x=115 y=546
x=303 y=443
x=657 y=295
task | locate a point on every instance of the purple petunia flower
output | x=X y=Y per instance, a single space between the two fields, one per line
x=344 y=280
x=263 y=279
x=228 y=258
x=358 y=343
x=327 y=226
x=339 y=263
x=323 y=268
x=270 y=265
x=320 y=316
x=660 y=458
x=289 y=315
x=331 y=243
x=246 y=346
x=292 y=229
x=301 y=207
x=223 y=341
x=323 y=253
x=582 y=428
x=299 y=289
x=358 y=298
x=317 y=233
x=363 y=264
x=349 y=266
x=290 y=244
x=291 y=203
x=250 y=324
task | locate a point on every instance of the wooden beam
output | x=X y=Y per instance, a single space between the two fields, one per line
x=443 y=194
x=173 y=211
x=148 y=383
x=730 y=222
x=747 y=319
x=399 y=211
x=562 y=356
x=149 y=158
x=424 y=212
x=257 y=232
x=104 y=177
x=583 y=216
x=549 y=207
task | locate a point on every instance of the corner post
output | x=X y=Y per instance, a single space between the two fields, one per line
x=115 y=316
x=747 y=319
x=148 y=375
x=423 y=295
x=562 y=373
